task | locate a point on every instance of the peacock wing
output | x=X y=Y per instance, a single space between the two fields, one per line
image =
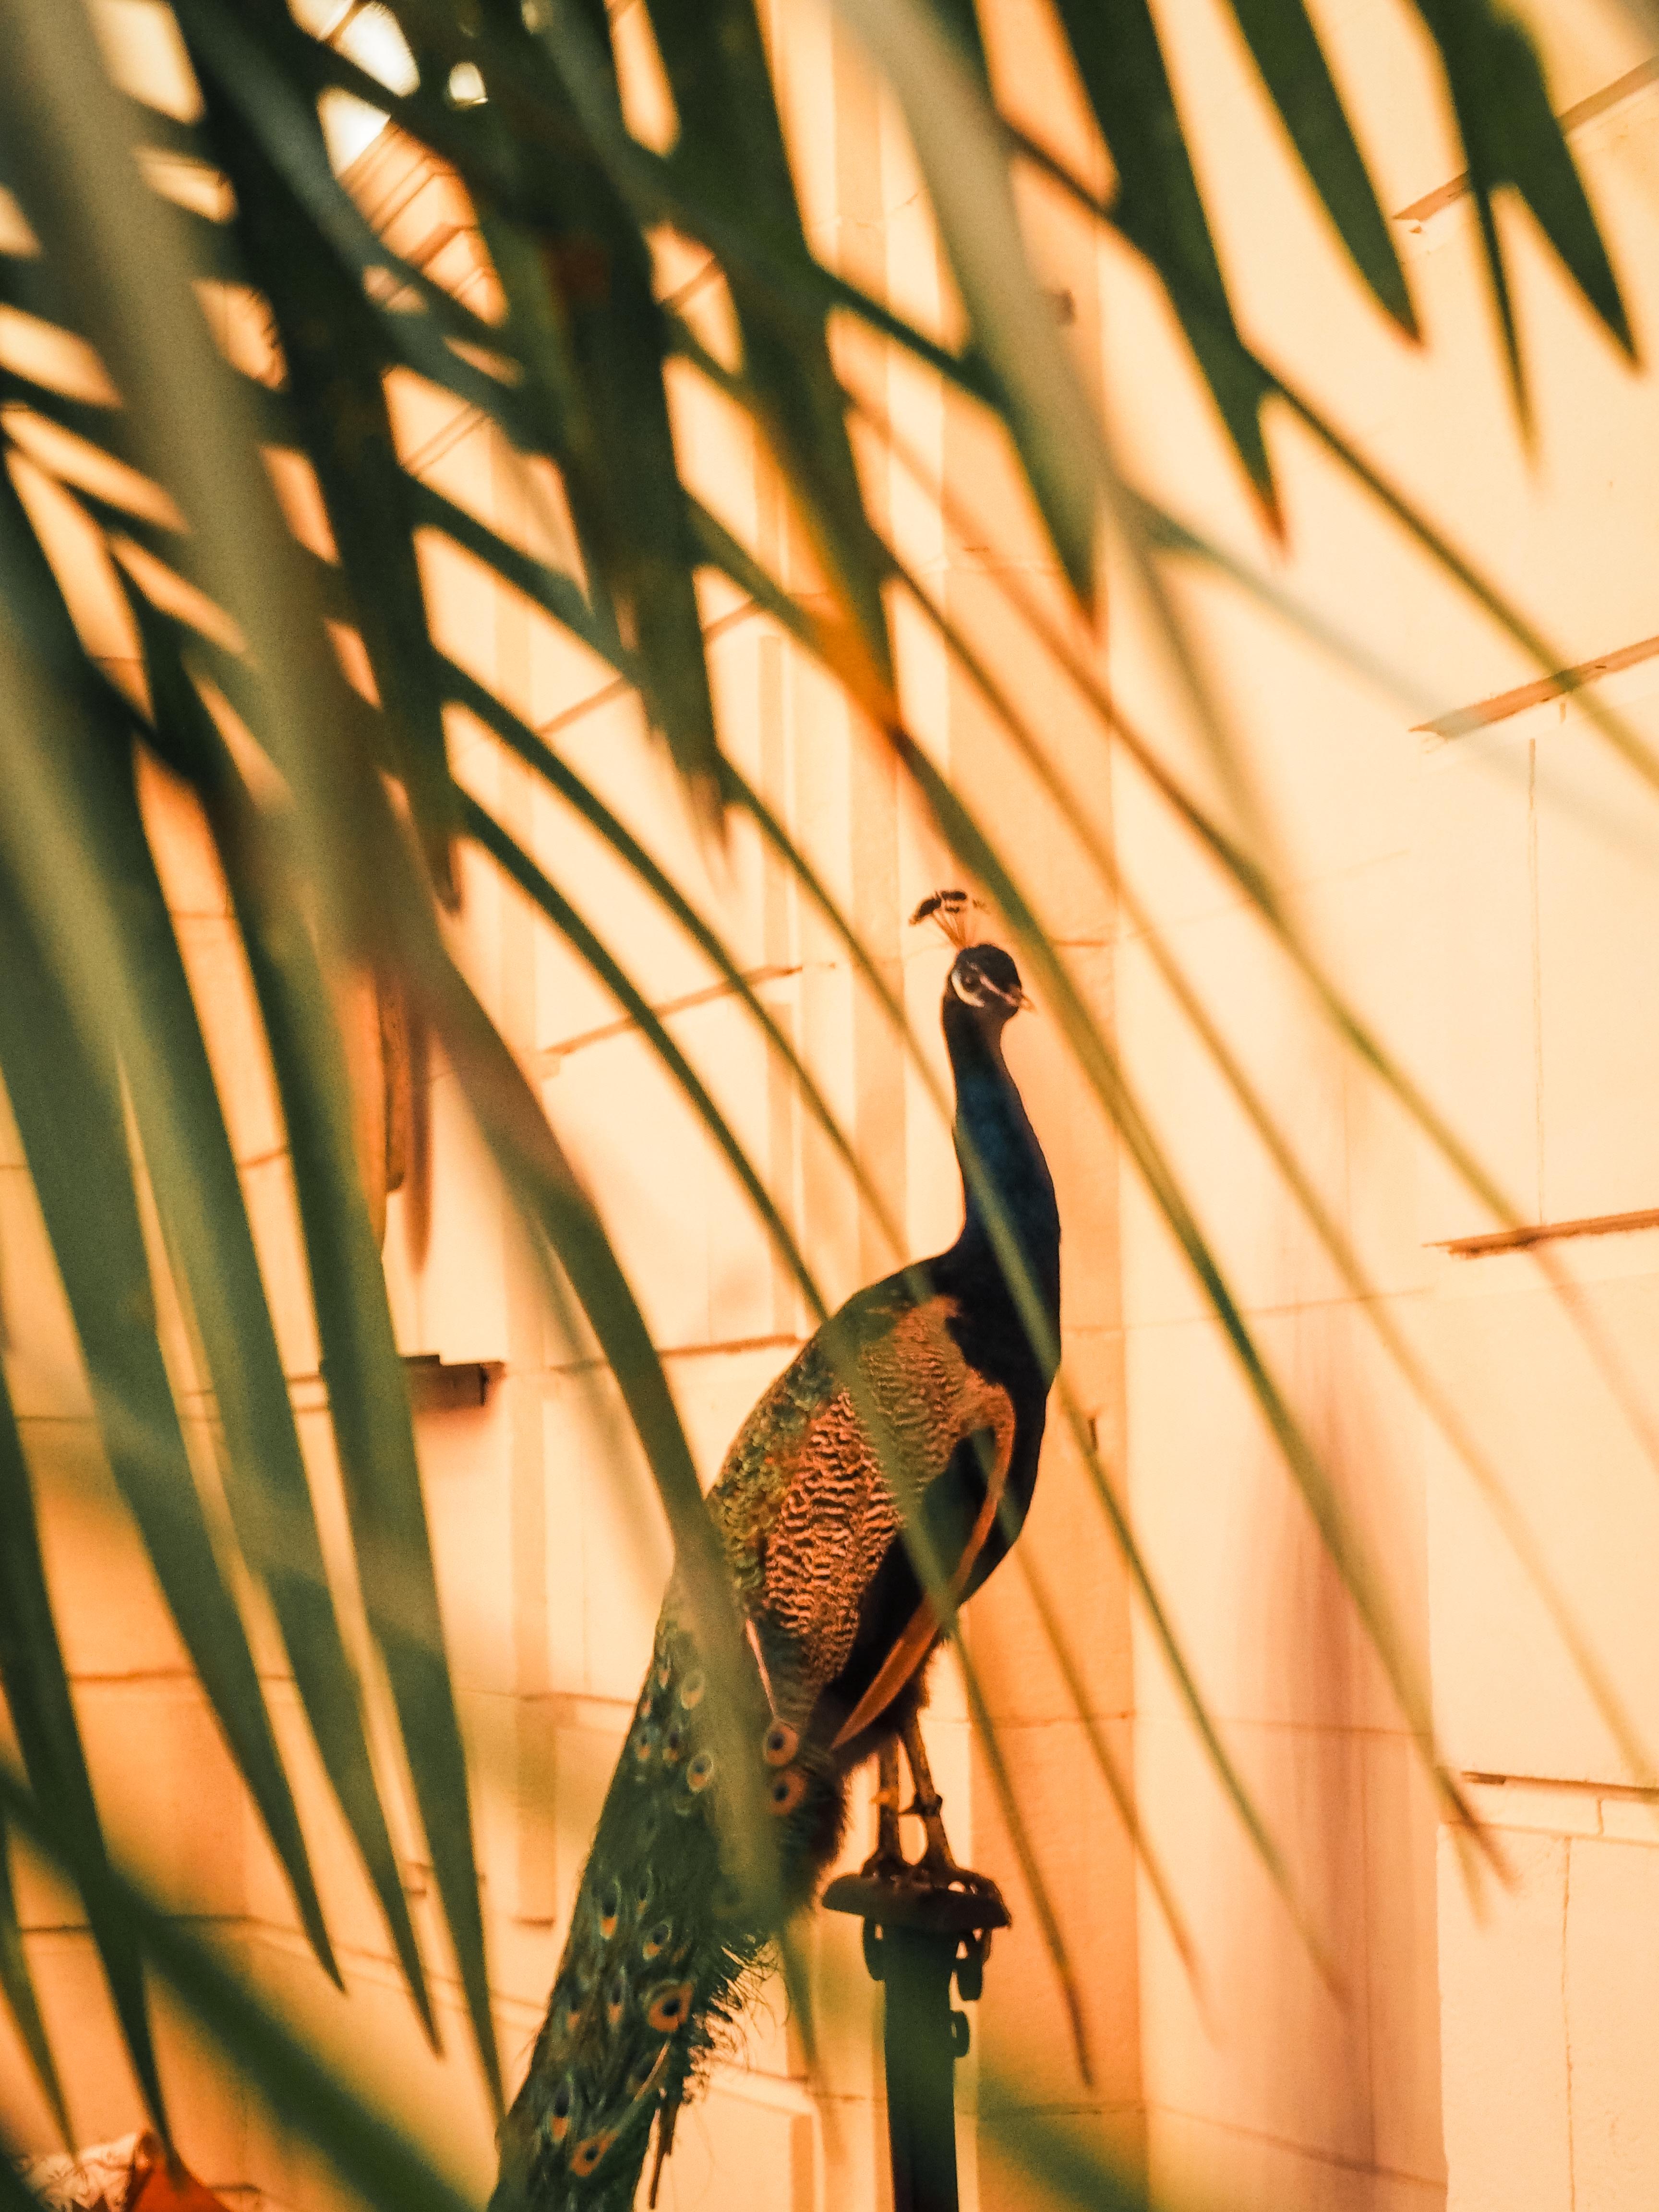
x=833 y=1573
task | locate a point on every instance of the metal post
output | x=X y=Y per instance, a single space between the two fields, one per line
x=920 y=1932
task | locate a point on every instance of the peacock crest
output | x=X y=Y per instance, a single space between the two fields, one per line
x=953 y=911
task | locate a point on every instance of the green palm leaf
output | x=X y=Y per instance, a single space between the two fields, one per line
x=348 y=1283
x=728 y=126
x=1293 y=68
x=17 y=1985
x=1158 y=208
x=371 y=2155
x=1510 y=136
x=68 y=1111
x=42 y=1710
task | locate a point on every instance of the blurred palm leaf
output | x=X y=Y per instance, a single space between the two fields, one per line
x=17 y=1983
x=570 y=362
x=42 y=1710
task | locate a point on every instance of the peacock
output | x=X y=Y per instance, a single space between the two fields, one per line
x=936 y=1361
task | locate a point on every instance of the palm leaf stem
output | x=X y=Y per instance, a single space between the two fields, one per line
x=738 y=792
x=41 y=1705
x=17 y=1985
x=569 y=1229
x=517 y=866
x=1119 y=1785
x=531 y=747
x=85 y=886
x=359 y=1355
x=1548 y=658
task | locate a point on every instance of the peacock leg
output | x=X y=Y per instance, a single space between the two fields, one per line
x=888 y=1857
x=938 y=1858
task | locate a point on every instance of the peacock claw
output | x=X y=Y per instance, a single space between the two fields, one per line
x=932 y=1893
x=891 y=1866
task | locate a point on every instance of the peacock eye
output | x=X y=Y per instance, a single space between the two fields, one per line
x=644 y=1742
x=589 y=2151
x=786 y=1792
x=616 y=1998
x=691 y=1690
x=701 y=1772
x=656 y=1942
x=780 y=1744
x=668 y=2006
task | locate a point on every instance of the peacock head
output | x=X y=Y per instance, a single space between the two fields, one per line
x=984 y=978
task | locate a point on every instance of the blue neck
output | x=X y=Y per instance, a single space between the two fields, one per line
x=993 y=1124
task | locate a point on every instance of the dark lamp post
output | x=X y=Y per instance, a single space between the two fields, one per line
x=924 y=1927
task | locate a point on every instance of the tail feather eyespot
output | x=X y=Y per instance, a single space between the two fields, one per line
x=556 y=2122
x=643 y=1744
x=609 y=1909
x=657 y=1939
x=780 y=1744
x=691 y=1690
x=616 y=1998
x=701 y=1772
x=589 y=2151
x=785 y=1792
x=668 y=2006
x=673 y=1744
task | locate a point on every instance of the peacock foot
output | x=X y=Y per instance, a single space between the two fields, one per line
x=887 y=1862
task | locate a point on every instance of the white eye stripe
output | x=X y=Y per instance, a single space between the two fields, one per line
x=977 y=990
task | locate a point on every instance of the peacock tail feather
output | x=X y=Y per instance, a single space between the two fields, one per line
x=660 y=1955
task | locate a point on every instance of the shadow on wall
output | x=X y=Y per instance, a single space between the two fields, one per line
x=1349 y=2078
